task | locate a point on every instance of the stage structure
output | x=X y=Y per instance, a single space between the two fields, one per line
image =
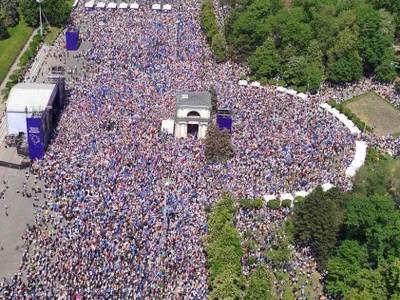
x=72 y=39
x=193 y=114
x=34 y=109
x=224 y=119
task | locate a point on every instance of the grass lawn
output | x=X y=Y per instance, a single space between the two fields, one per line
x=11 y=47
x=376 y=111
x=51 y=35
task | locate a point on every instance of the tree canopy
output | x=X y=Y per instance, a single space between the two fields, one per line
x=350 y=39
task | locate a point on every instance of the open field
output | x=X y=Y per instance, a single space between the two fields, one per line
x=11 y=47
x=375 y=111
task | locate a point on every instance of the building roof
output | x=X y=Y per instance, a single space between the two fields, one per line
x=193 y=99
x=34 y=96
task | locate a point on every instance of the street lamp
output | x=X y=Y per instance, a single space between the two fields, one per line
x=40 y=16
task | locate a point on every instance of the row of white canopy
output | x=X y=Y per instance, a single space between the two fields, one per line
x=280 y=89
x=124 y=5
x=287 y=196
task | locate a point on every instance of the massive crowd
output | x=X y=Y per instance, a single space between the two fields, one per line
x=101 y=233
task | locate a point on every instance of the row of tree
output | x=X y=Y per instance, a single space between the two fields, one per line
x=224 y=254
x=355 y=236
x=209 y=23
x=312 y=40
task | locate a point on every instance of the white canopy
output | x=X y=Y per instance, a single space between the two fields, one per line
x=302 y=96
x=89 y=4
x=269 y=197
x=350 y=172
x=334 y=112
x=342 y=118
x=100 y=5
x=327 y=186
x=168 y=126
x=134 y=5
x=300 y=194
x=281 y=89
x=325 y=106
x=167 y=7
x=123 y=5
x=291 y=92
x=156 y=6
x=112 y=5
x=255 y=84
x=359 y=155
x=286 y=196
x=354 y=130
x=243 y=82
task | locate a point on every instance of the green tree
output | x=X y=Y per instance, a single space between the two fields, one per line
x=30 y=11
x=386 y=71
x=373 y=178
x=325 y=25
x=355 y=294
x=259 y=285
x=56 y=11
x=343 y=268
x=294 y=71
x=373 y=282
x=208 y=20
x=313 y=74
x=374 y=222
x=10 y=14
x=226 y=286
x=318 y=221
x=3 y=30
x=264 y=62
x=218 y=47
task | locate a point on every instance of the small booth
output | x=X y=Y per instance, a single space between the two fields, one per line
x=112 y=5
x=156 y=6
x=255 y=84
x=134 y=5
x=100 y=6
x=89 y=6
x=243 y=82
x=123 y=6
x=167 y=7
x=281 y=89
x=168 y=126
x=291 y=92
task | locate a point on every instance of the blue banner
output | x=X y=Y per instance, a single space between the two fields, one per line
x=35 y=138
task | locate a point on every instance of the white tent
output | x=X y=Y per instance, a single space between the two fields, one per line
x=89 y=5
x=342 y=118
x=100 y=5
x=286 y=196
x=123 y=5
x=167 y=7
x=327 y=186
x=350 y=172
x=255 y=84
x=168 y=126
x=281 y=89
x=24 y=99
x=243 y=82
x=302 y=96
x=269 y=197
x=112 y=5
x=156 y=6
x=300 y=194
x=354 y=130
x=291 y=92
x=325 y=106
x=134 y=5
x=334 y=112
x=359 y=155
x=75 y=3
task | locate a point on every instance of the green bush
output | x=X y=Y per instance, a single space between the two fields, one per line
x=243 y=77
x=251 y=204
x=253 y=78
x=286 y=203
x=282 y=83
x=273 y=204
x=332 y=103
x=9 y=85
x=263 y=80
x=301 y=89
x=273 y=81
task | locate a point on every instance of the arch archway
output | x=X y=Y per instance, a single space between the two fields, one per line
x=193 y=113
